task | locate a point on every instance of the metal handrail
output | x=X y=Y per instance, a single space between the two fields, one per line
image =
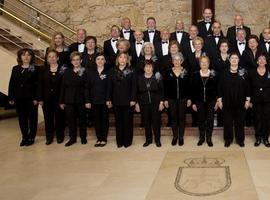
x=47 y=16
x=26 y=24
x=18 y=45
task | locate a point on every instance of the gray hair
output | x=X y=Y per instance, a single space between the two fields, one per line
x=178 y=55
x=148 y=44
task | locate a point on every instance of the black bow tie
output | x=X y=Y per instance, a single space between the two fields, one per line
x=164 y=42
x=179 y=31
x=267 y=42
x=207 y=22
x=217 y=36
x=240 y=43
x=151 y=31
x=126 y=31
x=114 y=40
x=139 y=43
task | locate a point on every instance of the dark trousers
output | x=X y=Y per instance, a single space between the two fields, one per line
x=101 y=121
x=262 y=120
x=54 y=120
x=177 y=110
x=205 y=114
x=74 y=113
x=219 y=118
x=124 y=125
x=234 y=119
x=151 y=118
x=28 y=117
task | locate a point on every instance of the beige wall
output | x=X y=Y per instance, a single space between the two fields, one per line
x=98 y=15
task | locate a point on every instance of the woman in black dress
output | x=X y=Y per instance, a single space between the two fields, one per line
x=22 y=94
x=260 y=98
x=49 y=84
x=204 y=97
x=58 y=44
x=97 y=86
x=177 y=97
x=121 y=94
x=73 y=98
x=234 y=99
x=222 y=62
x=89 y=55
x=150 y=102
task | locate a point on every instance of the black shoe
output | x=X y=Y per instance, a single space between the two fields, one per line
x=70 y=142
x=60 y=140
x=146 y=144
x=158 y=144
x=97 y=143
x=266 y=143
x=258 y=142
x=227 y=144
x=174 y=141
x=181 y=142
x=30 y=142
x=24 y=142
x=48 y=142
x=84 y=141
x=241 y=144
x=103 y=143
x=201 y=141
x=209 y=142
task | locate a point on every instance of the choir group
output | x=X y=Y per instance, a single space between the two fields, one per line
x=200 y=71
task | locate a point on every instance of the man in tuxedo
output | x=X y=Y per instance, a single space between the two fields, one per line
x=261 y=34
x=126 y=31
x=151 y=34
x=240 y=44
x=179 y=35
x=238 y=24
x=80 y=44
x=212 y=41
x=205 y=26
x=136 y=47
x=264 y=45
x=110 y=49
x=187 y=47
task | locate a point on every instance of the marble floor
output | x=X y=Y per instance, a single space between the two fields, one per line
x=84 y=172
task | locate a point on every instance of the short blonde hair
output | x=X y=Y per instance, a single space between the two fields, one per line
x=197 y=39
x=124 y=41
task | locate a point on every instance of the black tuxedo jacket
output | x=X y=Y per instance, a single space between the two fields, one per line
x=185 y=36
x=234 y=48
x=131 y=37
x=133 y=54
x=211 y=47
x=231 y=33
x=110 y=55
x=203 y=32
x=73 y=47
x=156 y=36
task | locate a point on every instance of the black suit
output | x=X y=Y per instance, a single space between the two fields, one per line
x=248 y=60
x=74 y=95
x=231 y=33
x=131 y=36
x=186 y=48
x=156 y=36
x=22 y=90
x=185 y=36
x=211 y=47
x=110 y=55
x=234 y=48
x=203 y=32
x=262 y=48
x=134 y=56
x=74 y=47
x=48 y=92
x=121 y=91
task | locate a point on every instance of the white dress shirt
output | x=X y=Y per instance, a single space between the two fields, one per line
x=267 y=44
x=241 y=46
x=165 y=47
x=179 y=36
x=126 y=34
x=81 y=47
x=191 y=46
x=138 y=47
x=151 y=35
x=113 y=43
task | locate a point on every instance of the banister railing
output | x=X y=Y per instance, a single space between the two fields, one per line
x=36 y=20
